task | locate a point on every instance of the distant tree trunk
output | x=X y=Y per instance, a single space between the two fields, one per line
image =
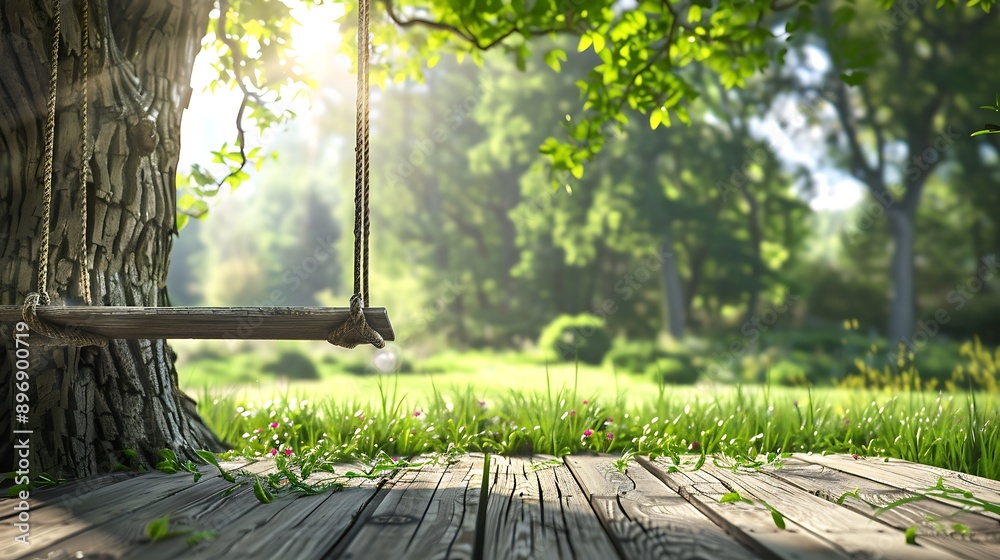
x=901 y=310
x=756 y=261
x=88 y=405
x=673 y=288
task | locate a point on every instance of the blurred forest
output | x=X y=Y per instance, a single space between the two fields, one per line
x=755 y=221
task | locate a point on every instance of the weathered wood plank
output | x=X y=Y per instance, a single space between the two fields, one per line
x=412 y=500
x=67 y=492
x=751 y=524
x=905 y=475
x=256 y=323
x=564 y=502
x=451 y=513
x=512 y=509
x=645 y=518
x=63 y=519
x=290 y=527
x=830 y=484
x=855 y=534
x=537 y=510
x=118 y=537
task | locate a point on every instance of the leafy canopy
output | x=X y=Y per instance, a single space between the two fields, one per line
x=640 y=52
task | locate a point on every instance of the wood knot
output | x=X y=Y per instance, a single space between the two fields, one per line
x=143 y=137
x=392 y=519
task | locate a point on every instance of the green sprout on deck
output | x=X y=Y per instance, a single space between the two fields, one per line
x=735 y=497
x=965 y=499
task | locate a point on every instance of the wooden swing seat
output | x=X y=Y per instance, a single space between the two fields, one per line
x=235 y=323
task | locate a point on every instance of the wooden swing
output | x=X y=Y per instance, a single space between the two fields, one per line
x=95 y=326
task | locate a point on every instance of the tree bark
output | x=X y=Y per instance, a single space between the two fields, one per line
x=90 y=404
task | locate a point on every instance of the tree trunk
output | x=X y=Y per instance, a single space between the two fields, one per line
x=90 y=404
x=756 y=261
x=901 y=310
x=673 y=288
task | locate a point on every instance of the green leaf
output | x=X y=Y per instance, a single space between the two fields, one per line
x=553 y=57
x=655 y=118
x=585 y=42
x=960 y=529
x=730 y=497
x=598 y=42
x=201 y=536
x=158 y=529
x=694 y=13
x=262 y=495
x=911 y=535
x=779 y=520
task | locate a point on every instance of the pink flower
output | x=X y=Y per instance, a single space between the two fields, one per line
x=288 y=451
x=588 y=432
x=416 y=413
x=847 y=420
x=274 y=451
x=586 y=402
x=854 y=456
x=694 y=445
x=609 y=420
x=413 y=431
x=572 y=413
x=274 y=425
x=394 y=459
x=610 y=436
x=482 y=404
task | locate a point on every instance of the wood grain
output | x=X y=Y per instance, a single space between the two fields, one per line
x=908 y=476
x=71 y=516
x=249 y=323
x=830 y=484
x=853 y=533
x=419 y=516
x=751 y=524
x=537 y=510
x=645 y=518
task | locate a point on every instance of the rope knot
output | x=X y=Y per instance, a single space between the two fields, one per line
x=65 y=335
x=355 y=330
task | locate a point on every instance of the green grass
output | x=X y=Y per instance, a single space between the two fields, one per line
x=406 y=415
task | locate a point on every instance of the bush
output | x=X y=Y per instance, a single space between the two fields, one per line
x=673 y=371
x=293 y=365
x=788 y=374
x=576 y=336
x=633 y=357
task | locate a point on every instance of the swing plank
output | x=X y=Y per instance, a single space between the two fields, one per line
x=250 y=323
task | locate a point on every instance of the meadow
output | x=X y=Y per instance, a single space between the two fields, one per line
x=512 y=404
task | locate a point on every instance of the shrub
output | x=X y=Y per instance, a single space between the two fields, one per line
x=293 y=365
x=788 y=374
x=673 y=371
x=633 y=356
x=576 y=336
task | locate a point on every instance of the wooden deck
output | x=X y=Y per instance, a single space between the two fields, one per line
x=579 y=507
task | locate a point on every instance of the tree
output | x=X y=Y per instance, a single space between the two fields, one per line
x=937 y=60
x=90 y=404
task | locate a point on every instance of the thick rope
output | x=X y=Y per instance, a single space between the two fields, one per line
x=356 y=330
x=61 y=335
x=68 y=336
x=85 y=157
